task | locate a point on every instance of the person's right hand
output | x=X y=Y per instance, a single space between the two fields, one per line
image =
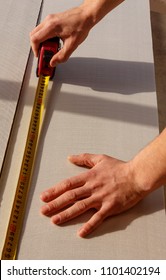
x=71 y=26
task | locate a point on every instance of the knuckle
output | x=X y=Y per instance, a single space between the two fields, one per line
x=66 y=185
x=49 y=17
x=49 y=26
x=53 y=205
x=100 y=215
x=65 y=216
x=71 y=196
x=115 y=200
x=92 y=174
x=102 y=156
x=52 y=22
x=115 y=204
x=84 y=155
x=86 y=159
x=81 y=205
x=34 y=39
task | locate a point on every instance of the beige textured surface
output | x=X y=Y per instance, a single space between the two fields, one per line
x=102 y=100
x=17 y=18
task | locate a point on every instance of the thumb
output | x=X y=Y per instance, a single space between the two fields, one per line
x=63 y=54
x=59 y=57
x=88 y=160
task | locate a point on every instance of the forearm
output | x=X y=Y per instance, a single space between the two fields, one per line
x=97 y=9
x=72 y=26
x=149 y=166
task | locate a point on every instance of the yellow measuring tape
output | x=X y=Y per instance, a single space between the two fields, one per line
x=17 y=213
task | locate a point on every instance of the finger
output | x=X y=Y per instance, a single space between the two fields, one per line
x=59 y=57
x=63 y=55
x=64 y=200
x=75 y=210
x=40 y=35
x=37 y=28
x=92 y=224
x=88 y=160
x=62 y=187
x=36 y=39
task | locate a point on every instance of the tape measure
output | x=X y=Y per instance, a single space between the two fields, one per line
x=18 y=209
x=44 y=72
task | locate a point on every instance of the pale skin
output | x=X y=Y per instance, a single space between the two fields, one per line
x=110 y=186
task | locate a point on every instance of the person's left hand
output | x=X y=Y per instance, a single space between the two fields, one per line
x=107 y=186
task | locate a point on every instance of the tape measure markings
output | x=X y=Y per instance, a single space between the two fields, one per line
x=17 y=213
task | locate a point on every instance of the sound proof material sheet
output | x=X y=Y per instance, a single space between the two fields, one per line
x=102 y=101
x=17 y=18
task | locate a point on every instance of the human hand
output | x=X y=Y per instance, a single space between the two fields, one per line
x=71 y=26
x=107 y=186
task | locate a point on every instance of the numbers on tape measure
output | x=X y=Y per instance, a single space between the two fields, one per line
x=17 y=212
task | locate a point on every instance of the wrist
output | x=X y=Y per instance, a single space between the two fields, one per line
x=148 y=166
x=141 y=175
x=95 y=10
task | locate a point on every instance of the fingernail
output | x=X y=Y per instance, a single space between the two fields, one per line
x=44 y=196
x=45 y=209
x=53 y=64
x=70 y=157
x=82 y=232
x=56 y=219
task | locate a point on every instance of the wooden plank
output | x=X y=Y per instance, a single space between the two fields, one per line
x=158 y=6
x=102 y=100
x=17 y=18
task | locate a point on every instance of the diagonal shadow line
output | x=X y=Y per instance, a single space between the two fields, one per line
x=106 y=75
x=104 y=108
x=103 y=75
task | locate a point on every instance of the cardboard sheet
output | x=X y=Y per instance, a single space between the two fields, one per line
x=102 y=100
x=17 y=18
